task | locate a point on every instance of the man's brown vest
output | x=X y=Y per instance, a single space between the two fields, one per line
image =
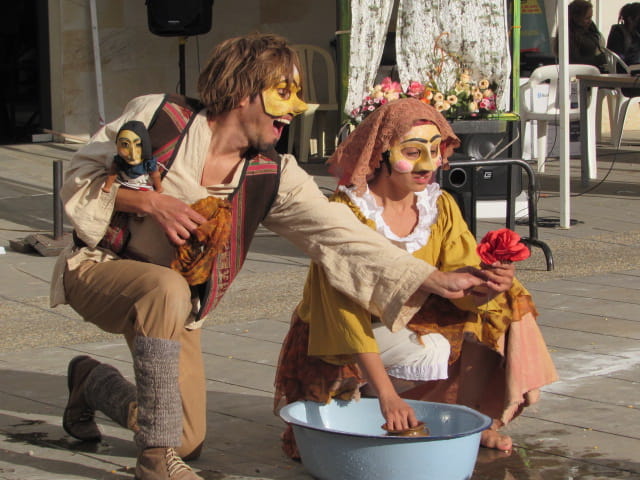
x=250 y=201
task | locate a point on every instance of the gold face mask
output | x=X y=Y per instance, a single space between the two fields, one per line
x=129 y=146
x=282 y=99
x=418 y=150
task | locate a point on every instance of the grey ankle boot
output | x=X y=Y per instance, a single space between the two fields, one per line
x=97 y=386
x=78 y=418
x=112 y=394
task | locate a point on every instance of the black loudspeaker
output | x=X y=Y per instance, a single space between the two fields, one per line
x=183 y=18
x=472 y=181
x=491 y=182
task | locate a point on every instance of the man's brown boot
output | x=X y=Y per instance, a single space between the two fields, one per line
x=78 y=418
x=163 y=464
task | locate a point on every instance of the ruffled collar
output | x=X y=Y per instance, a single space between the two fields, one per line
x=426 y=202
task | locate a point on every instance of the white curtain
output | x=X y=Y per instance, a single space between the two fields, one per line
x=418 y=28
x=474 y=31
x=369 y=24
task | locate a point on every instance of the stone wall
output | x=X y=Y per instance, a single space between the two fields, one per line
x=135 y=62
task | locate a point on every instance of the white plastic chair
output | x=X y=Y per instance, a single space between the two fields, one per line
x=610 y=94
x=318 y=69
x=539 y=103
x=618 y=103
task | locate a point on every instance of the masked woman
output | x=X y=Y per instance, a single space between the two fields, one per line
x=450 y=351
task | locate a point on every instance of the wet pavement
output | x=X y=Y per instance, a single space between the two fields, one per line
x=585 y=426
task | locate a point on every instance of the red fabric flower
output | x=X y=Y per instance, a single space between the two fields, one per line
x=502 y=245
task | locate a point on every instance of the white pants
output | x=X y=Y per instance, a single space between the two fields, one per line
x=407 y=357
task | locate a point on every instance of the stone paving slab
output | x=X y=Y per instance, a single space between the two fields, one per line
x=265 y=329
x=239 y=372
x=586 y=304
x=603 y=389
x=575 y=365
x=587 y=342
x=630 y=374
x=593 y=454
x=578 y=322
x=239 y=347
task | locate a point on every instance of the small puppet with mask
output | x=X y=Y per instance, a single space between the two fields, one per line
x=134 y=166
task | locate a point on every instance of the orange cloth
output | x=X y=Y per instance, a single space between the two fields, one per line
x=514 y=374
x=194 y=259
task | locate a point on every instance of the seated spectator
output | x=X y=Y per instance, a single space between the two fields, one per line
x=624 y=37
x=585 y=40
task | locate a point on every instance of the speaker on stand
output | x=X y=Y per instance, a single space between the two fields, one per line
x=169 y=18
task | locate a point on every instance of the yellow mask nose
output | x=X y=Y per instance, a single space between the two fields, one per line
x=282 y=100
x=129 y=146
x=426 y=162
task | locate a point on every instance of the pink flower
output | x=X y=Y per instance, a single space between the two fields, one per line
x=390 y=86
x=485 y=103
x=415 y=89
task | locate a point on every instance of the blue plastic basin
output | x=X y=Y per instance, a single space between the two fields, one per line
x=345 y=441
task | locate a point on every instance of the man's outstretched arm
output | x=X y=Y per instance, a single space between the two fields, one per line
x=451 y=284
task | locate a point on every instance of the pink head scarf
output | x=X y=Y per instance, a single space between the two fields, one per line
x=355 y=160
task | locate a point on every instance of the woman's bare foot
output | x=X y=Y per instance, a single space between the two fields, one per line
x=491 y=438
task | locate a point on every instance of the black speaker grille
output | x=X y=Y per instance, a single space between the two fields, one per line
x=184 y=18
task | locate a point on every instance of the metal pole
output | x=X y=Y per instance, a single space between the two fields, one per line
x=97 y=61
x=181 y=65
x=565 y=152
x=57 y=201
x=343 y=39
x=515 y=68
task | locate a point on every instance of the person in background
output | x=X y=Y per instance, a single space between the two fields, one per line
x=624 y=37
x=585 y=40
x=484 y=350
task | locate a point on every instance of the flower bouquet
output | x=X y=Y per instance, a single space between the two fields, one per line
x=467 y=99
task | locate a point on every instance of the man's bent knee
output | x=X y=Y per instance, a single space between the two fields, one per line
x=164 y=309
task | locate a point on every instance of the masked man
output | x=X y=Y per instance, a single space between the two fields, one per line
x=117 y=274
